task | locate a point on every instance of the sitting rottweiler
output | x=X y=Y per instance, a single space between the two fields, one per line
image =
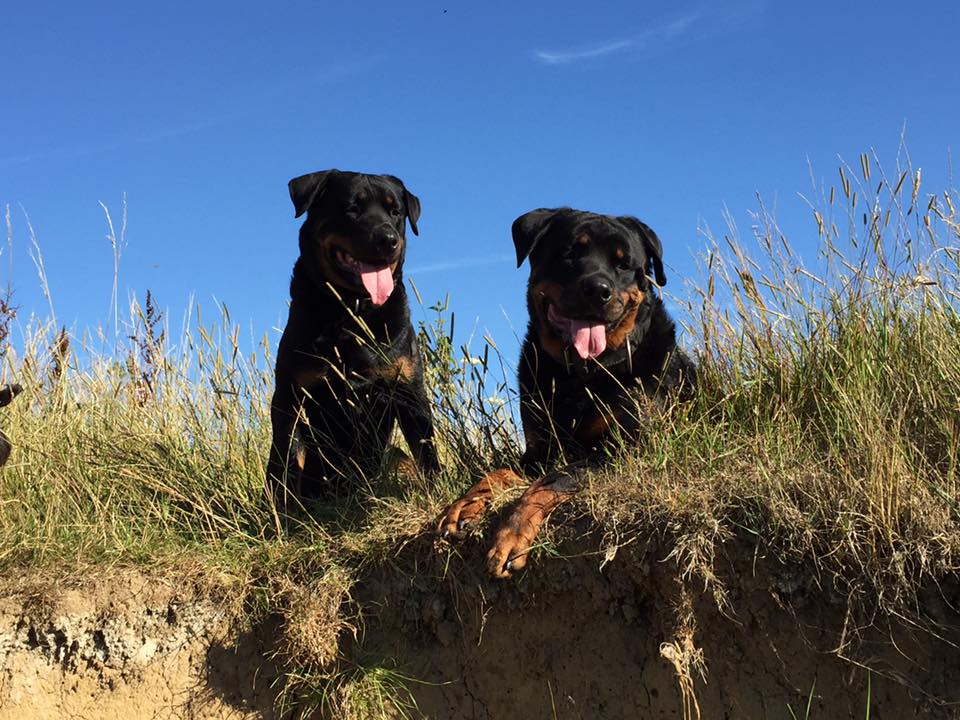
x=598 y=337
x=7 y=394
x=348 y=366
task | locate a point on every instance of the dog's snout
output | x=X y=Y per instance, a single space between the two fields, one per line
x=596 y=289
x=387 y=238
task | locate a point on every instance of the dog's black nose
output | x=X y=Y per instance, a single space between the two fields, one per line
x=596 y=289
x=388 y=240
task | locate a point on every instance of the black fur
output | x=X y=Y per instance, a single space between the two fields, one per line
x=347 y=369
x=7 y=394
x=563 y=396
x=598 y=340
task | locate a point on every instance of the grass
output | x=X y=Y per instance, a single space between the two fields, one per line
x=826 y=429
x=828 y=417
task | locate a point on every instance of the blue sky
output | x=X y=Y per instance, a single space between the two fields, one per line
x=201 y=112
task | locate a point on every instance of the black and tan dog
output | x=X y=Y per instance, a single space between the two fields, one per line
x=348 y=367
x=598 y=338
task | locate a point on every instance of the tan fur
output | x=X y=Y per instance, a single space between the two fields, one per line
x=400 y=370
x=516 y=535
x=468 y=509
x=308 y=377
x=631 y=300
x=399 y=464
x=549 y=341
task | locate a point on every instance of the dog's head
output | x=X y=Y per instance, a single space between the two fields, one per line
x=354 y=235
x=589 y=277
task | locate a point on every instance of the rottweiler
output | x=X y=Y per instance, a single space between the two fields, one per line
x=599 y=337
x=348 y=367
x=7 y=394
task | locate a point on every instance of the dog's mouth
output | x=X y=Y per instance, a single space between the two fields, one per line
x=587 y=335
x=376 y=278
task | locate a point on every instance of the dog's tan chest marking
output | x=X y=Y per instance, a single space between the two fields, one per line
x=400 y=370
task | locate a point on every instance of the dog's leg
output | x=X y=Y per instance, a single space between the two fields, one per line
x=543 y=447
x=517 y=533
x=285 y=473
x=287 y=454
x=416 y=423
x=466 y=511
x=326 y=474
x=679 y=375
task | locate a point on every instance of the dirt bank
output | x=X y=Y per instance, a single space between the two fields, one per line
x=566 y=640
x=126 y=647
x=631 y=640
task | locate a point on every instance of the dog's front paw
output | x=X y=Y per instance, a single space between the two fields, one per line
x=461 y=516
x=466 y=511
x=511 y=547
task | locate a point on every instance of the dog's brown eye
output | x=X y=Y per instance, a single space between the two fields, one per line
x=395 y=211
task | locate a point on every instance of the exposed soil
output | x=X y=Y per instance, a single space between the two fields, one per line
x=572 y=641
x=127 y=647
x=566 y=640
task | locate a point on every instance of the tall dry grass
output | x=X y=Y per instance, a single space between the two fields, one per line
x=827 y=422
x=826 y=427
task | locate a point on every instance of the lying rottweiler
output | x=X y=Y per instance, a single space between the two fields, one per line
x=348 y=366
x=7 y=394
x=598 y=337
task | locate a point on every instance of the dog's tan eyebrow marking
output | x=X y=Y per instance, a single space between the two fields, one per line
x=619 y=253
x=583 y=239
x=362 y=195
x=388 y=200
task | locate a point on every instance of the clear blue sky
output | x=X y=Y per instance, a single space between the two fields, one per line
x=201 y=112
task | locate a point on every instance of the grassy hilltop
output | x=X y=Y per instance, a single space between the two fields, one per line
x=826 y=431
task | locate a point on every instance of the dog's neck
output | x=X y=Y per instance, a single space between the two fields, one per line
x=332 y=302
x=326 y=314
x=642 y=355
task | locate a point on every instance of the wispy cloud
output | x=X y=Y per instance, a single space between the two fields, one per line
x=458 y=263
x=567 y=56
x=656 y=34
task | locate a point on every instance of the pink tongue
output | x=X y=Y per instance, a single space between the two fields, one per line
x=377 y=281
x=589 y=340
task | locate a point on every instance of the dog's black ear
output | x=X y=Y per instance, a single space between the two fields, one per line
x=307 y=189
x=651 y=245
x=413 y=209
x=410 y=201
x=529 y=229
